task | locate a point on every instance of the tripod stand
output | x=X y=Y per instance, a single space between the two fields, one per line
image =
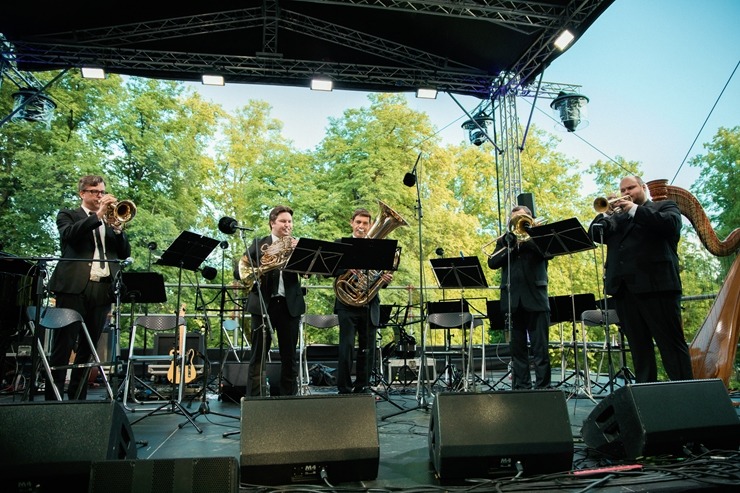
x=188 y=251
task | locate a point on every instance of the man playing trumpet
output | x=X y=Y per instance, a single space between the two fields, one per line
x=84 y=286
x=642 y=277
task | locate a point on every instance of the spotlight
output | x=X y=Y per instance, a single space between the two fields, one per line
x=571 y=109
x=564 y=40
x=426 y=93
x=321 y=84
x=212 y=80
x=478 y=128
x=92 y=73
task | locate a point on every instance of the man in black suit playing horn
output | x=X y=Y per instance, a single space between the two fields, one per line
x=642 y=276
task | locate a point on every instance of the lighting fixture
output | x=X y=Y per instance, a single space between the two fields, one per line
x=93 y=73
x=564 y=40
x=426 y=93
x=321 y=84
x=213 y=80
x=571 y=109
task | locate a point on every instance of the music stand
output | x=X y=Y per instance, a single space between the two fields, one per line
x=497 y=319
x=460 y=273
x=141 y=287
x=561 y=238
x=316 y=257
x=313 y=257
x=188 y=251
x=372 y=255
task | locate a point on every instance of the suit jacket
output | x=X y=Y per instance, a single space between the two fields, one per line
x=293 y=292
x=642 y=252
x=78 y=242
x=528 y=271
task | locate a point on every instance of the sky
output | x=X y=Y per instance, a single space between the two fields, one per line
x=653 y=71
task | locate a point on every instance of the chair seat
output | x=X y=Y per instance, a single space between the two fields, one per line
x=452 y=320
x=596 y=317
x=322 y=321
x=53 y=317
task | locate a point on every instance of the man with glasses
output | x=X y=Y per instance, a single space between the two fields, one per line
x=84 y=282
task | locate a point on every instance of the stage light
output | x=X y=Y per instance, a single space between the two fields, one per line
x=571 y=109
x=564 y=40
x=321 y=84
x=426 y=93
x=92 y=73
x=31 y=105
x=478 y=128
x=213 y=80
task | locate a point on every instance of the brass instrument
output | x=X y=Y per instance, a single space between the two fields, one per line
x=520 y=226
x=119 y=213
x=357 y=289
x=603 y=204
x=274 y=256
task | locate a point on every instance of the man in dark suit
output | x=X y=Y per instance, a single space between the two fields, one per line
x=525 y=304
x=358 y=320
x=276 y=303
x=83 y=282
x=642 y=276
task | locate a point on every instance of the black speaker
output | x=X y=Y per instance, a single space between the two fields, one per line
x=496 y=433
x=235 y=376
x=43 y=442
x=650 y=419
x=527 y=199
x=304 y=439
x=195 y=475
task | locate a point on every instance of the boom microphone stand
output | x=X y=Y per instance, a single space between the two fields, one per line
x=423 y=392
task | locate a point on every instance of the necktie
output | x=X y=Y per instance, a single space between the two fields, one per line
x=99 y=242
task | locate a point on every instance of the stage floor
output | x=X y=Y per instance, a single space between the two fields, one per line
x=402 y=416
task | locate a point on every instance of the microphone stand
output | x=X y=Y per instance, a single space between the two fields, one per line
x=423 y=393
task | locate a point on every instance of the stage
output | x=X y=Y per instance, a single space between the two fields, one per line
x=211 y=455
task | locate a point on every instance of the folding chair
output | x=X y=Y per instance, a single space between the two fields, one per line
x=53 y=318
x=321 y=322
x=449 y=321
x=605 y=318
x=157 y=324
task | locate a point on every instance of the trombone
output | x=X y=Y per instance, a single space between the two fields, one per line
x=520 y=226
x=603 y=204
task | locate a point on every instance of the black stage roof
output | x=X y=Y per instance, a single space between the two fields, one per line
x=460 y=46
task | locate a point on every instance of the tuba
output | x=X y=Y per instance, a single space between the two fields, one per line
x=120 y=213
x=274 y=256
x=358 y=289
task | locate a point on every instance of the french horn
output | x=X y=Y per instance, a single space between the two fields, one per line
x=274 y=256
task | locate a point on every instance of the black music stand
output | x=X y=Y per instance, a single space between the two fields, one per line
x=498 y=321
x=316 y=257
x=376 y=255
x=188 y=252
x=313 y=257
x=460 y=273
x=561 y=238
x=142 y=287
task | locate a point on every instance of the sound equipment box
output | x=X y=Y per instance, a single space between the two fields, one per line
x=497 y=433
x=660 y=418
x=294 y=439
x=194 y=475
x=235 y=376
x=46 y=442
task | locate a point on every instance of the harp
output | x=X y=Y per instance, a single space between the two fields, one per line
x=714 y=346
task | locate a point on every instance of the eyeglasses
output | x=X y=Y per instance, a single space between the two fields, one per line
x=97 y=192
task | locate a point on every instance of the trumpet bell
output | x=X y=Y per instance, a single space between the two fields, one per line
x=120 y=212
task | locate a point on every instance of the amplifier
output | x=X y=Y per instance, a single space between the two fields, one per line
x=406 y=372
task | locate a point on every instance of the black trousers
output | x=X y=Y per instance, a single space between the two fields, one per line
x=287 y=329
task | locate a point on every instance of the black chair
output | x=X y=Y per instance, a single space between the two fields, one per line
x=53 y=318
x=448 y=321
x=605 y=318
x=319 y=321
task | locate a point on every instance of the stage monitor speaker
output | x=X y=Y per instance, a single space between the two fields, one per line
x=497 y=433
x=650 y=419
x=46 y=442
x=304 y=439
x=194 y=475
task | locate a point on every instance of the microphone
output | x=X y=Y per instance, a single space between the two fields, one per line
x=440 y=252
x=409 y=179
x=597 y=225
x=152 y=245
x=209 y=273
x=127 y=262
x=229 y=225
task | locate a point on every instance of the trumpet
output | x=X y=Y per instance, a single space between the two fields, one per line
x=603 y=204
x=119 y=213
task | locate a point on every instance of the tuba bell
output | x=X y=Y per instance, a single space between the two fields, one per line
x=120 y=213
x=358 y=289
x=274 y=256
